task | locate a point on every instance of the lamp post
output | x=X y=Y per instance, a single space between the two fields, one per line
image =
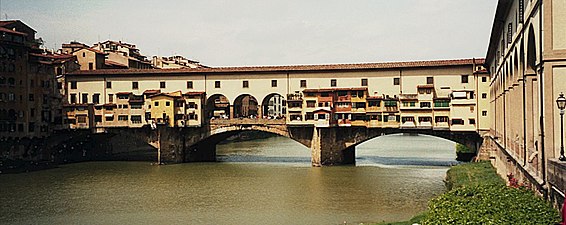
x=561 y=102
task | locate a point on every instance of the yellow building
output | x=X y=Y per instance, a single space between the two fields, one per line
x=165 y=107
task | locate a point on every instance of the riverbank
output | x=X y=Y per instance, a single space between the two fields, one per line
x=477 y=195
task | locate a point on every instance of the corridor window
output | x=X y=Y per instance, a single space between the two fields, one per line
x=464 y=79
x=245 y=84
x=162 y=84
x=429 y=80
x=217 y=84
x=364 y=82
x=395 y=81
x=333 y=83
x=189 y=85
x=135 y=85
x=108 y=84
x=303 y=83
x=273 y=83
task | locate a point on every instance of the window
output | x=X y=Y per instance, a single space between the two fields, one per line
x=309 y=116
x=217 y=84
x=484 y=79
x=156 y=103
x=425 y=104
x=162 y=84
x=73 y=85
x=484 y=95
x=189 y=85
x=395 y=81
x=457 y=122
x=430 y=80
x=73 y=98
x=484 y=113
x=84 y=54
x=464 y=79
x=273 y=83
x=108 y=84
x=472 y=121
x=90 y=66
x=85 y=98
x=245 y=84
x=136 y=118
x=123 y=118
x=333 y=83
x=110 y=98
x=31 y=83
x=442 y=103
x=311 y=104
x=364 y=82
x=31 y=99
x=135 y=85
x=167 y=103
x=303 y=83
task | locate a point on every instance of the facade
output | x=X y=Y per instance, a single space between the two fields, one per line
x=415 y=95
x=527 y=64
x=30 y=98
x=174 y=62
x=121 y=54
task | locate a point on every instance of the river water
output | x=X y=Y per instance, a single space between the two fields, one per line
x=267 y=181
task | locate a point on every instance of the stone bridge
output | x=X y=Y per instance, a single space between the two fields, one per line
x=329 y=146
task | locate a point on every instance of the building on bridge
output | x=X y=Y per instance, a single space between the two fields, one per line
x=422 y=95
x=526 y=59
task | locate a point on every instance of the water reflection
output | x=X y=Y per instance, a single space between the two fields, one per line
x=267 y=181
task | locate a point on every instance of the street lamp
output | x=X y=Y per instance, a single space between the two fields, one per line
x=561 y=102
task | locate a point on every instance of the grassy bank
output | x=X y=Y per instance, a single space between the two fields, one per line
x=477 y=195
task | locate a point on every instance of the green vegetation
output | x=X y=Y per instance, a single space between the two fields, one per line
x=472 y=174
x=460 y=148
x=477 y=195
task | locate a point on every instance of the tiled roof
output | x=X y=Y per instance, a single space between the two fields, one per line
x=149 y=92
x=290 y=68
x=425 y=86
x=2 y=29
x=193 y=93
x=112 y=63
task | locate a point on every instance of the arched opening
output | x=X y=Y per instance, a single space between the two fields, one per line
x=249 y=146
x=409 y=149
x=531 y=52
x=217 y=107
x=274 y=106
x=246 y=106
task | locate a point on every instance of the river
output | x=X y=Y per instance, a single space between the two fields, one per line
x=267 y=181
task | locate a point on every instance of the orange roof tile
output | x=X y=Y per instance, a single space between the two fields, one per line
x=289 y=68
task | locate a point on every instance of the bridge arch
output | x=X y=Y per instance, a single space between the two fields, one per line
x=217 y=106
x=273 y=106
x=246 y=105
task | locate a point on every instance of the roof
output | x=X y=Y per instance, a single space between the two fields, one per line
x=374 y=97
x=501 y=13
x=92 y=50
x=123 y=93
x=425 y=86
x=164 y=94
x=9 y=22
x=112 y=63
x=150 y=92
x=2 y=29
x=193 y=93
x=289 y=68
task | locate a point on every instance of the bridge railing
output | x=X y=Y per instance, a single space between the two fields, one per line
x=247 y=121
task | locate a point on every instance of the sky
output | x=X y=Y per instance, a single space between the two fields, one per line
x=274 y=32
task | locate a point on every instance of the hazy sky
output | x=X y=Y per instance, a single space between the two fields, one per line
x=265 y=32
